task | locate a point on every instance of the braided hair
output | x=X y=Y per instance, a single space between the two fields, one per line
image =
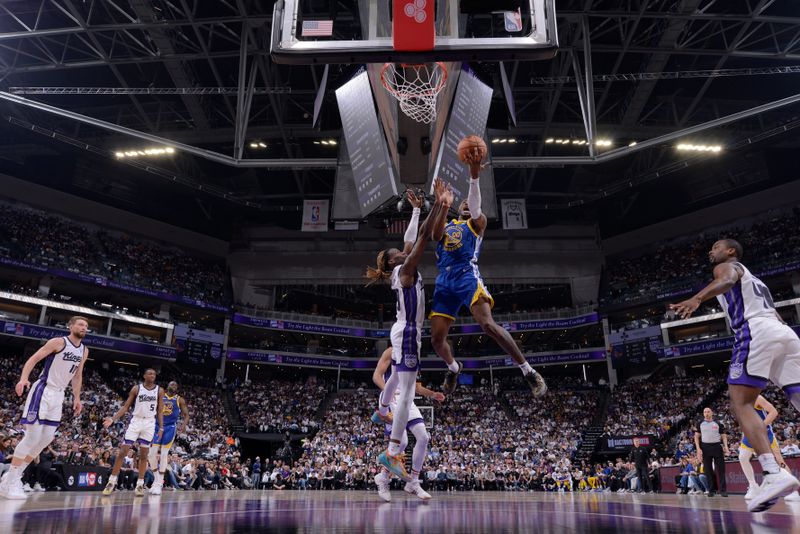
x=382 y=271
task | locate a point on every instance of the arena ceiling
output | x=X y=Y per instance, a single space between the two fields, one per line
x=657 y=66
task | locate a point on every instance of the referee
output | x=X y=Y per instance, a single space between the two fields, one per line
x=711 y=442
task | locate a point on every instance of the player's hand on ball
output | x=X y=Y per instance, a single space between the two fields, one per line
x=21 y=386
x=438 y=397
x=77 y=407
x=107 y=422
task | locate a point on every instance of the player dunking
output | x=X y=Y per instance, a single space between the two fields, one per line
x=416 y=424
x=148 y=407
x=174 y=408
x=460 y=284
x=764 y=349
x=64 y=360
x=400 y=267
x=768 y=413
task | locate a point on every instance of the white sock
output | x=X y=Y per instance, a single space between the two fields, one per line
x=15 y=473
x=747 y=469
x=139 y=482
x=394 y=448
x=414 y=476
x=525 y=368
x=768 y=463
x=112 y=479
x=453 y=367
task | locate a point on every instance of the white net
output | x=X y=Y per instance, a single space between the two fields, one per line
x=416 y=87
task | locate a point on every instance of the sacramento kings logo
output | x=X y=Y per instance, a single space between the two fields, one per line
x=71 y=481
x=736 y=370
x=411 y=361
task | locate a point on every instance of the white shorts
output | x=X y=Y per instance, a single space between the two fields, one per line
x=43 y=405
x=414 y=417
x=766 y=350
x=142 y=430
x=406 y=345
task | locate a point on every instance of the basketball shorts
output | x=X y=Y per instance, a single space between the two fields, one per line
x=406 y=345
x=770 y=437
x=455 y=289
x=168 y=437
x=414 y=418
x=141 y=430
x=43 y=405
x=766 y=350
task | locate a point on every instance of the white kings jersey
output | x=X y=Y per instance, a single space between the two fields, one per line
x=60 y=367
x=146 y=402
x=746 y=300
x=410 y=301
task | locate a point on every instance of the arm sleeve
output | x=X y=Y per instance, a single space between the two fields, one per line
x=474 y=199
x=721 y=429
x=413 y=227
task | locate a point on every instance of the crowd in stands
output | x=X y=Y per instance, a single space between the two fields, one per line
x=683 y=265
x=280 y=405
x=647 y=407
x=51 y=241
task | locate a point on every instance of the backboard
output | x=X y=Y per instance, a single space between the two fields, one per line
x=361 y=31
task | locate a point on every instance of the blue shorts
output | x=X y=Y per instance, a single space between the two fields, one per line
x=168 y=437
x=770 y=436
x=456 y=288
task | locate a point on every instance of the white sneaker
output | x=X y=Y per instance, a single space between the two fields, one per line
x=770 y=489
x=792 y=497
x=15 y=491
x=751 y=492
x=382 y=481
x=109 y=489
x=155 y=489
x=415 y=488
x=38 y=487
x=27 y=488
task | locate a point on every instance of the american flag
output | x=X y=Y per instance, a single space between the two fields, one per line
x=320 y=28
x=397 y=227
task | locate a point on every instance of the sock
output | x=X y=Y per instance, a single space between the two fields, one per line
x=453 y=367
x=768 y=463
x=525 y=368
x=414 y=476
x=112 y=479
x=15 y=473
x=139 y=482
x=394 y=448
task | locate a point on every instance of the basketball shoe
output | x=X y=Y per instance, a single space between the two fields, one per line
x=382 y=480
x=394 y=464
x=536 y=383
x=770 y=490
x=451 y=380
x=415 y=488
x=379 y=419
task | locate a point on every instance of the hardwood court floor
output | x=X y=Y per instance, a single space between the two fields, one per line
x=221 y=512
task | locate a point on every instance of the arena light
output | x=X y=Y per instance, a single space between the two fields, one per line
x=150 y=151
x=688 y=147
x=632 y=143
x=550 y=141
x=258 y=144
x=603 y=142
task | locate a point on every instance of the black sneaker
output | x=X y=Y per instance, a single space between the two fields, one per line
x=711 y=493
x=723 y=493
x=536 y=383
x=451 y=380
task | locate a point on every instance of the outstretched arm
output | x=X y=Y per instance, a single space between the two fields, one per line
x=124 y=409
x=725 y=277
x=408 y=271
x=413 y=225
x=477 y=218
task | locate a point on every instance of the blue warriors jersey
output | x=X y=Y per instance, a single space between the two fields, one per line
x=459 y=247
x=172 y=410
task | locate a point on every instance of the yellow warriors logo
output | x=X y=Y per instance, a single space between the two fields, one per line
x=453 y=238
x=167 y=408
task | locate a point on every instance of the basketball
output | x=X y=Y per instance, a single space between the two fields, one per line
x=466 y=145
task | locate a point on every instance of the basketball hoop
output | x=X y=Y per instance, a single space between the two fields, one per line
x=416 y=87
